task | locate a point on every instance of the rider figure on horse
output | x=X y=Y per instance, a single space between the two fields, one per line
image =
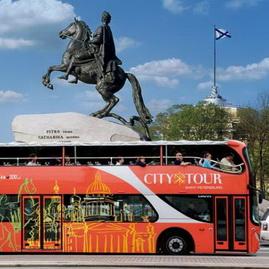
x=102 y=47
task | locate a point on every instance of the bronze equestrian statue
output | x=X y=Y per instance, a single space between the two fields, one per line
x=92 y=59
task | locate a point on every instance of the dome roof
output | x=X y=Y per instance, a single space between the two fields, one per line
x=98 y=187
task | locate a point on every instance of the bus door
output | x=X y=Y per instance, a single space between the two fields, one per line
x=230 y=223
x=31 y=222
x=42 y=223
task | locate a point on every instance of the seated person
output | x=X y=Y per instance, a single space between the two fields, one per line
x=33 y=161
x=67 y=161
x=179 y=160
x=206 y=161
x=120 y=161
x=227 y=163
x=58 y=161
x=141 y=161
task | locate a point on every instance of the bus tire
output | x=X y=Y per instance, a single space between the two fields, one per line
x=175 y=244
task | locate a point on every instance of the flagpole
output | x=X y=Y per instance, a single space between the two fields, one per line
x=214 y=85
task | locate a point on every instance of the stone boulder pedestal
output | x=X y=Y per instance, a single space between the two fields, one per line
x=68 y=127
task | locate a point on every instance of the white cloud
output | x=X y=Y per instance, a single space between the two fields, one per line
x=254 y=71
x=172 y=66
x=179 y=6
x=236 y=4
x=91 y=100
x=10 y=97
x=201 y=8
x=22 y=14
x=162 y=72
x=206 y=85
x=31 y=22
x=174 y=6
x=156 y=106
x=125 y=42
x=162 y=81
x=11 y=43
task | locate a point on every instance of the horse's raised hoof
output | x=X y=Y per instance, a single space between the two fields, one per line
x=50 y=86
x=44 y=80
x=45 y=83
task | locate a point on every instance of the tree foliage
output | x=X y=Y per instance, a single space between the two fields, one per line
x=198 y=122
x=253 y=127
x=192 y=122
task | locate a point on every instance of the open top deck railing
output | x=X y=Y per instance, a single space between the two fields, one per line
x=105 y=160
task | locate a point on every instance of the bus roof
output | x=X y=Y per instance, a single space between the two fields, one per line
x=124 y=143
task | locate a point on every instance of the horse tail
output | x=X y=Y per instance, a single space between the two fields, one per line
x=141 y=109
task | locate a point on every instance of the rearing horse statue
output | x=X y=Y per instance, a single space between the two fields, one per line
x=87 y=70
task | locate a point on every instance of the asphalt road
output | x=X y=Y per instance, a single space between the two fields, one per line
x=260 y=260
x=264 y=250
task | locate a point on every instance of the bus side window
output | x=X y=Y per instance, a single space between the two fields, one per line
x=133 y=208
x=119 y=208
x=198 y=207
x=9 y=208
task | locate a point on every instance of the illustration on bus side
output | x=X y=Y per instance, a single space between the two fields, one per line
x=83 y=220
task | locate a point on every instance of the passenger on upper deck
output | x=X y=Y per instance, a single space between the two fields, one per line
x=206 y=161
x=141 y=161
x=227 y=163
x=33 y=161
x=179 y=160
x=67 y=161
x=120 y=161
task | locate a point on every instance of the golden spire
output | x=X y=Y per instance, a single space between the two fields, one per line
x=56 y=187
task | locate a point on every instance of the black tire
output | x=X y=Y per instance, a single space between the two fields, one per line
x=175 y=245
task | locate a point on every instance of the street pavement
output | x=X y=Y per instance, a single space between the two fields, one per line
x=261 y=260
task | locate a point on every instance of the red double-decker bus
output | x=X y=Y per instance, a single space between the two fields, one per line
x=73 y=198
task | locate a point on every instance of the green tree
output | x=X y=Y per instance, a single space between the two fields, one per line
x=253 y=126
x=196 y=122
x=192 y=122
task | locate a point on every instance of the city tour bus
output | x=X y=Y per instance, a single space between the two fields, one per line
x=75 y=198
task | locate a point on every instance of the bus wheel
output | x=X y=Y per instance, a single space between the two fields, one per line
x=175 y=245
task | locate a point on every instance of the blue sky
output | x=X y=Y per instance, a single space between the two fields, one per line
x=167 y=44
